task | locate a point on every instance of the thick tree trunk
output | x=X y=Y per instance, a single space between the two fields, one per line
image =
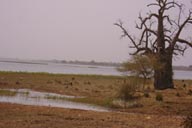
x=163 y=77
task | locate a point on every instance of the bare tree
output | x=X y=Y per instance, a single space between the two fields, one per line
x=161 y=37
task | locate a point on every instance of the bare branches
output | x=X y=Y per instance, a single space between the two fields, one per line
x=178 y=49
x=125 y=33
x=168 y=19
x=181 y=27
x=143 y=39
x=172 y=4
x=159 y=33
x=143 y=21
x=185 y=42
x=165 y=5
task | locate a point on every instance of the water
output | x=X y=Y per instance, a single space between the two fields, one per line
x=29 y=97
x=74 y=69
x=59 y=68
x=182 y=75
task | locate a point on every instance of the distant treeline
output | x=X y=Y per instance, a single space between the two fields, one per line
x=189 y=68
x=91 y=63
x=185 y=68
x=22 y=62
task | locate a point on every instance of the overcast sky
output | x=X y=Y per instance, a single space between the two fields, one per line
x=70 y=29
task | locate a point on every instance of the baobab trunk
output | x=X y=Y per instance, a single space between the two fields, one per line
x=163 y=77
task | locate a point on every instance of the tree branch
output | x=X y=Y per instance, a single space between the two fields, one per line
x=144 y=50
x=185 y=42
x=180 y=50
x=143 y=21
x=187 y=21
x=125 y=33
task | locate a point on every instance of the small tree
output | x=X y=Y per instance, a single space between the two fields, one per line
x=141 y=66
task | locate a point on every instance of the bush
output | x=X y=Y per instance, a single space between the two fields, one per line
x=184 y=85
x=159 y=97
x=187 y=123
x=146 y=94
x=128 y=90
x=178 y=94
x=190 y=92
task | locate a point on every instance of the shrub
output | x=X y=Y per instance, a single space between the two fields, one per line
x=17 y=82
x=184 y=85
x=128 y=90
x=146 y=94
x=159 y=97
x=187 y=123
x=178 y=94
x=190 y=92
x=58 y=81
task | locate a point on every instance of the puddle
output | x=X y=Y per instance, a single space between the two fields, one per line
x=30 y=97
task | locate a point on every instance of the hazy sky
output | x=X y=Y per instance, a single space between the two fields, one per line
x=69 y=29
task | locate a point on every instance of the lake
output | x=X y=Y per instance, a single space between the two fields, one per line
x=74 y=69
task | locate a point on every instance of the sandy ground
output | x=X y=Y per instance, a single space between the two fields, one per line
x=19 y=116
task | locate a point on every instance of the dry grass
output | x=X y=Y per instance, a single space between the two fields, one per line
x=102 y=90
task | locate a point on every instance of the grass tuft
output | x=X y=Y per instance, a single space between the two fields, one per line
x=159 y=97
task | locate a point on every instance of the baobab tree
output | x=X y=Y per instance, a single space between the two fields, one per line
x=161 y=36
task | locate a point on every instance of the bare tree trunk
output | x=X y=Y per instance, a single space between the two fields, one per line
x=163 y=77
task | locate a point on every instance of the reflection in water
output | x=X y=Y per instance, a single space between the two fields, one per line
x=29 y=97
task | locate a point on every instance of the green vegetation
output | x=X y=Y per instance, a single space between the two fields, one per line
x=128 y=89
x=141 y=67
x=55 y=97
x=7 y=93
x=146 y=94
x=106 y=102
x=138 y=65
x=25 y=93
x=159 y=97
